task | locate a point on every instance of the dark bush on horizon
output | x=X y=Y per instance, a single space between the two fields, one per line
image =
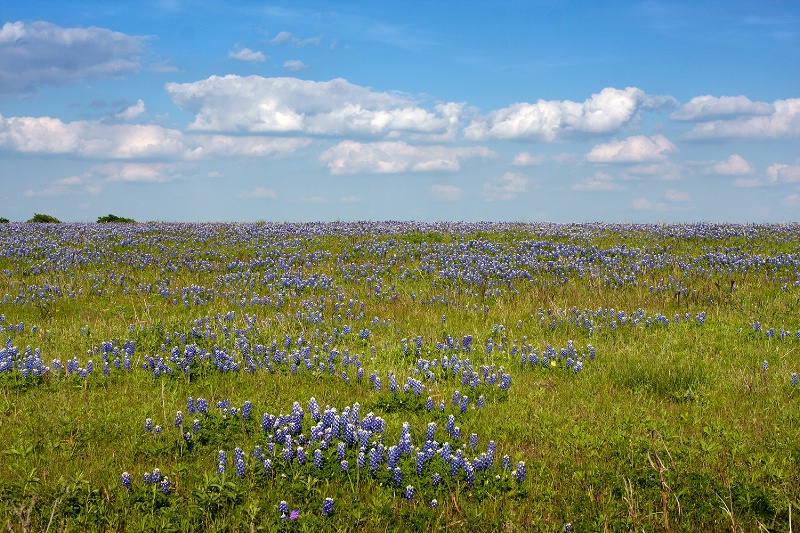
x=47 y=219
x=115 y=218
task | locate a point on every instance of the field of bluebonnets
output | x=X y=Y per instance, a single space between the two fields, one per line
x=384 y=376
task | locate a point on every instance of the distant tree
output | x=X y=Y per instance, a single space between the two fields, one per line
x=38 y=217
x=114 y=218
x=4 y=220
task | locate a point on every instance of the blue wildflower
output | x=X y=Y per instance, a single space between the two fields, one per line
x=327 y=507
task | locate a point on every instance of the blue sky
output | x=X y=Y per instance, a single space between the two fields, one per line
x=564 y=111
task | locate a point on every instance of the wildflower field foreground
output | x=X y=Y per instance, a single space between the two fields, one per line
x=383 y=376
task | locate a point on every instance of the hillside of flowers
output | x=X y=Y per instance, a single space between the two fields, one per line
x=382 y=376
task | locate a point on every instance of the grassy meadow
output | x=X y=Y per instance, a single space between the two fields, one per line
x=383 y=376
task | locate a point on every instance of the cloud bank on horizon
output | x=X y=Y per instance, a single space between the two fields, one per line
x=397 y=117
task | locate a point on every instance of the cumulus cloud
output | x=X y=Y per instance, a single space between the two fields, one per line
x=349 y=157
x=705 y=108
x=294 y=65
x=129 y=113
x=604 y=112
x=36 y=54
x=525 y=159
x=662 y=171
x=505 y=188
x=88 y=138
x=258 y=192
x=245 y=54
x=643 y=204
x=291 y=105
x=100 y=140
x=783 y=122
x=781 y=173
x=221 y=145
x=599 y=182
x=674 y=195
x=446 y=193
x=734 y=165
x=286 y=37
x=139 y=172
x=777 y=174
x=635 y=149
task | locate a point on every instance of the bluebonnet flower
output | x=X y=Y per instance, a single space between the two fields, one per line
x=240 y=467
x=147 y=477
x=429 y=404
x=190 y=405
x=202 y=406
x=327 y=507
x=505 y=462
x=469 y=473
x=283 y=507
x=431 y=431
x=464 y=404
x=301 y=455
x=267 y=466
x=362 y=459
x=148 y=425
x=344 y=466
x=473 y=441
x=222 y=461
x=157 y=430
x=178 y=419
x=794 y=379
x=764 y=366
x=568 y=528
x=164 y=485
x=318 y=459
x=434 y=503
x=436 y=479
x=155 y=477
x=409 y=493
x=247 y=408
x=397 y=475
x=519 y=472
x=126 y=480
x=196 y=426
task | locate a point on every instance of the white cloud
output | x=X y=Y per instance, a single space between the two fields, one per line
x=525 y=159
x=245 y=54
x=349 y=157
x=782 y=123
x=663 y=171
x=349 y=199
x=604 y=112
x=674 y=195
x=446 y=193
x=505 y=187
x=139 y=172
x=705 y=108
x=51 y=191
x=792 y=200
x=34 y=54
x=99 y=140
x=733 y=166
x=777 y=174
x=220 y=145
x=643 y=204
x=635 y=149
x=258 y=192
x=291 y=105
x=282 y=37
x=294 y=65
x=315 y=200
x=88 y=138
x=130 y=112
x=781 y=173
x=286 y=37
x=599 y=182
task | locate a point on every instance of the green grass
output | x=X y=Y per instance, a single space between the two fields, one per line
x=674 y=427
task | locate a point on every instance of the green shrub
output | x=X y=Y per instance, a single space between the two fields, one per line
x=48 y=219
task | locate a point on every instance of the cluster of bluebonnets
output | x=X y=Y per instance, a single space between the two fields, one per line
x=313 y=438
